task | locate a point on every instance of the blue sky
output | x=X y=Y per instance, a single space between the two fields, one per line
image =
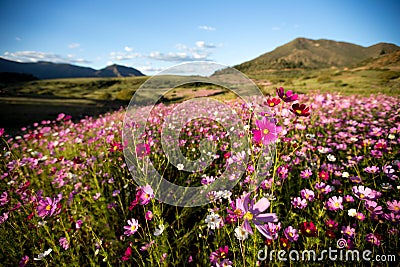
x=152 y=35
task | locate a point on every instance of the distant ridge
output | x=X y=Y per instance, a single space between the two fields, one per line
x=49 y=70
x=303 y=53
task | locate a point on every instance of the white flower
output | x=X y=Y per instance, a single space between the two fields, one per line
x=213 y=220
x=42 y=255
x=352 y=212
x=41 y=223
x=391 y=136
x=241 y=233
x=159 y=230
x=345 y=174
x=180 y=166
x=331 y=157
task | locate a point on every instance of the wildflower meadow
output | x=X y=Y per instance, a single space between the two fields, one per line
x=68 y=198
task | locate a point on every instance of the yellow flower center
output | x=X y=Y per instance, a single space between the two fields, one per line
x=396 y=208
x=238 y=212
x=298 y=111
x=48 y=207
x=337 y=204
x=362 y=195
x=248 y=216
x=271 y=104
x=115 y=147
x=133 y=227
x=308 y=231
x=266 y=131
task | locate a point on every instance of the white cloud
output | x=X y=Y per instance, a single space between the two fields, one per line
x=207 y=28
x=275 y=28
x=128 y=49
x=150 y=68
x=175 y=57
x=203 y=45
x=118 y=56
x=35 y=56
x=74 y=45
x=18 y=39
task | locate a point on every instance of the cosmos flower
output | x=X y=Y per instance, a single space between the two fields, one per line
x=213 y=221
x=291 y=234
x=286 y=97
x=48 y=207
x=132 y=227
x=300 y=110
x=272 y=102
x=142 y=150
x=241 y=234
x=64 y=243
x=299 y=203
x=308 y=229
x=394 y=206
x=266 y=132
x=253 y=212
x=335 y=203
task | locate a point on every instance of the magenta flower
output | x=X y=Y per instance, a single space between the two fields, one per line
x=307 y=194
x=394 y=206
x=24 y=261
x=331 y=224
x=149 y=215
x=348 y=232
x=1 y=132
x=266 y=131
x=299 y=203
x=142 y=150
x=291 y=234
x=143 y=196
x=64 y=243
x=254 y=212
x=78 y=224
x=335 y=203
x=373 y=239
x=47 y=207
x=132 y=227
x=127 y=254
x=3 y=198
x=362 y=192
x=146 y=195
x=286 y=97
x=306 y=174
x=219 y=254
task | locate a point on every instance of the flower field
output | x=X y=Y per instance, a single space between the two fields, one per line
x=67 y=197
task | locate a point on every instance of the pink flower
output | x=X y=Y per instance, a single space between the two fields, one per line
x=1 y=132
x=48 y=207
x=394 y=206
x=286 y=97
x=149 y=215
x=266 y=132
x=128 y=253
x=335 y=203
x=24 y=261
x=299 y=203
x=252 y=212
x=307 y=194
x=64 y=243
x=142 y=150
x=291 y=234
x=132 y=227
x=143 y=196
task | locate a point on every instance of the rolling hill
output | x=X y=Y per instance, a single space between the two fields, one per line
x=303 y=53
x=48 y=70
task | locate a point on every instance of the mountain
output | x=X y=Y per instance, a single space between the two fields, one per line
x=303 y=53
x=48 y=70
